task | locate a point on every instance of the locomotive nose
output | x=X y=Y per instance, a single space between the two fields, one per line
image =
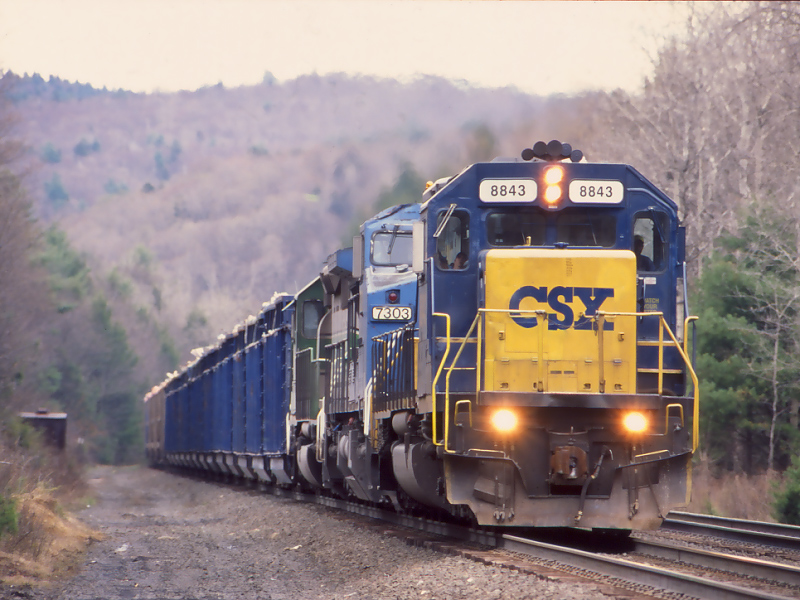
x=544 y=309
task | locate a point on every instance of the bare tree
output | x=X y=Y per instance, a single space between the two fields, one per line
x=20 y=289
x=717 y=125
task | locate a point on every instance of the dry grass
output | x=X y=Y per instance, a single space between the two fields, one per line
x=48 y=543
x=732 y=495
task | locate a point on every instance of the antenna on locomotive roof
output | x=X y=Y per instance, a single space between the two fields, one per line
x=554 y=151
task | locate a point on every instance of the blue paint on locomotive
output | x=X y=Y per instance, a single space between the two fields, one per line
x=387 y=268
x=455 y=291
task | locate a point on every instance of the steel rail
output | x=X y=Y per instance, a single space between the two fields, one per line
x=655 y=577
x=760 y=526
x=755 y=567
x=753 y=532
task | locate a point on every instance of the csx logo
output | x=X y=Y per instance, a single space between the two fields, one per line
x=559 y=299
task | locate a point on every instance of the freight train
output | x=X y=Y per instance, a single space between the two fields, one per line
x=511 y=350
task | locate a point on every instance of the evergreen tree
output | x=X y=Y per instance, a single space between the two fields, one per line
x=51 y=154
x=89 y=365
x=55 y=192
x=749 y=354
x=786 y=504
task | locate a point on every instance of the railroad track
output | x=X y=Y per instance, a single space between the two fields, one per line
x=630 y=563
x=705 y=559
x=752 y=578
x=752 y=532
x=758 y=580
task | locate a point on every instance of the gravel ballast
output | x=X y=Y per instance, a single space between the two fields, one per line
x=172 y=537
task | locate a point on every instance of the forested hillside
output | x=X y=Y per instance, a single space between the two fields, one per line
x=168 y=218
x=230 y=195
x=182 y=212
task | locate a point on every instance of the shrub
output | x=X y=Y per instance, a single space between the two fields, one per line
x=9 y=518
x=786 y=504
x=21 y=434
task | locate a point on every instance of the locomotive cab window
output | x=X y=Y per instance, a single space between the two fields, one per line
x=392 y=248
x=452 y=245
x=583 y=229
x=649 y=241
x=516 y=229
x=312 y=313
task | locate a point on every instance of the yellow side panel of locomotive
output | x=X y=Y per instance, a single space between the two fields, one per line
x=558 y=349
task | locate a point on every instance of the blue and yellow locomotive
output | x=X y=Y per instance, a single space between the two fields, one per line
x=511 y=350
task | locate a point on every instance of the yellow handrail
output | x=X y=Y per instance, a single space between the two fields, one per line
x=689 y=367
x=439 y=372
x=600 y=318
x=450 y=370
x=478 y=363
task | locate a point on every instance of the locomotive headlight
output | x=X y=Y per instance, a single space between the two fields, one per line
x=552 y=194
x=553 y=175
x=635 y=422
x=504 y=420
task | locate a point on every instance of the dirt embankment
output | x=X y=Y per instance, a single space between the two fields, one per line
x=165 y=536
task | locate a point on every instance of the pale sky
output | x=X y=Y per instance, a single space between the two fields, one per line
x=169 y=45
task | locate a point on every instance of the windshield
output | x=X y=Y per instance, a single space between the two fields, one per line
x=392 y=248
x=536 y=228
x=516 y=229
x=582 y=229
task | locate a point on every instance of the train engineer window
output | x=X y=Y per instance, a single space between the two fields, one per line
x=649 y=241
x=452 y=245
x=516 y=229
x=392 y=248
x=584 y=229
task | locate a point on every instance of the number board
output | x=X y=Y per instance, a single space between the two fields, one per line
x=591 y=191
x=507 y=190
x=391 y=313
